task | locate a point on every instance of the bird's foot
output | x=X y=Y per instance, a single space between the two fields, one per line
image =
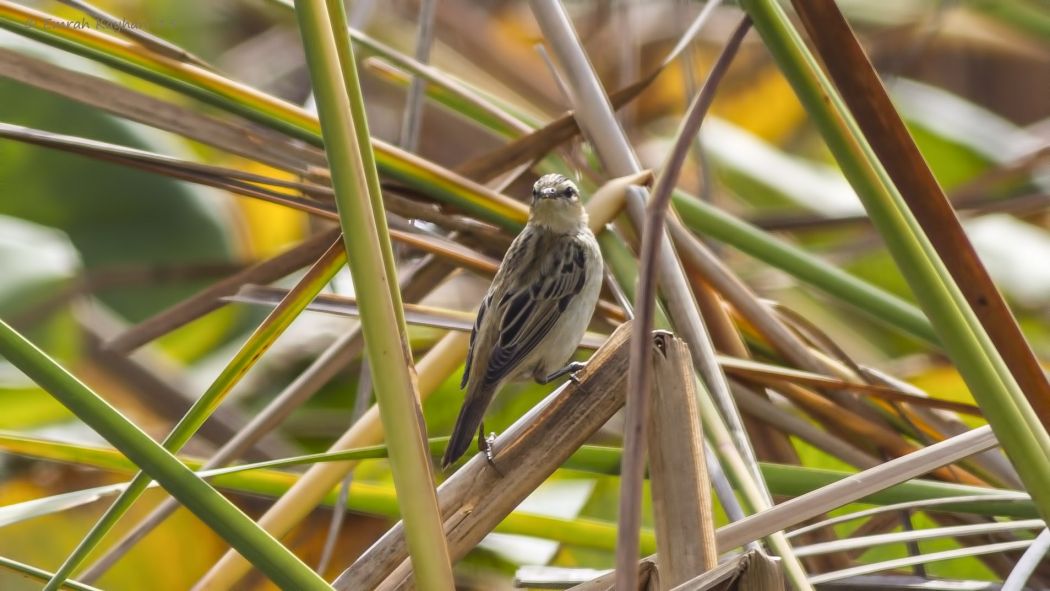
x=571 y=369
x=485 y=445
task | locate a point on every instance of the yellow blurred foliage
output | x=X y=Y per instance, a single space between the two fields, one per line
x=766 y=106
x=268 y=228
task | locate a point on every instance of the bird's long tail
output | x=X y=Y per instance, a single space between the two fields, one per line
x=468 y=422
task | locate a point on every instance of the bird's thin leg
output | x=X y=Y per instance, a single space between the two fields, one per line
x=570 y=369
x=485 y=447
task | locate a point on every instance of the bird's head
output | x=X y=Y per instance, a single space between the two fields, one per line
x=556 y=204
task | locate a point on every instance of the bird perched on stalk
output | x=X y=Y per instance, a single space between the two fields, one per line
x=536 y=310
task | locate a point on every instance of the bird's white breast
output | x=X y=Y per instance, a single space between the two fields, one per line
x=561 y=342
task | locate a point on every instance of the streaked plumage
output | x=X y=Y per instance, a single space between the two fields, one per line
x=540 y=302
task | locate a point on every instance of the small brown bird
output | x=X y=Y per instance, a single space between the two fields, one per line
x=536 y=310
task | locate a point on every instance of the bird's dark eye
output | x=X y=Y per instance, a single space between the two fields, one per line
x=569 y=192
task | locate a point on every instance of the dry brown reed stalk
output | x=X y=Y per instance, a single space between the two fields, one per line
x=695 y=255
x=681 y=491
x=763 y=409
x=770 y=443
x=869 y=391
x=948 y=425
x=856 y=428
x=231 y=134
x=477 y=497
x=209 y=299
x=648 y=579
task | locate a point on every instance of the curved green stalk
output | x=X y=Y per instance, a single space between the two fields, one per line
x=708 y=220
x=341 y=110
x=337 y=17
x=263 y=477
x=964 y=339
x=261 y=340
x=204 y=501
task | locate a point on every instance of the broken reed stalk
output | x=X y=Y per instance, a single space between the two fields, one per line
x=476 y=498
x=681 y=491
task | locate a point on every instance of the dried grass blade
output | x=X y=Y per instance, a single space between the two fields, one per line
x=414 y=313
x=857 y=486
x=965 y=552
x=774 y=376
x=761 y=408
x=1028 y=563
x=854 y=542
x=751 y=570
x=934 y=504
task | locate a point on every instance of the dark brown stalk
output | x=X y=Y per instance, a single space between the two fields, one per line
x=102 y=279
x=528 y=147
x=637 y=413
x=867 y=99
x=864 y=432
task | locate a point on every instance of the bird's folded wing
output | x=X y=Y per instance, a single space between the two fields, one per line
x=530 y=309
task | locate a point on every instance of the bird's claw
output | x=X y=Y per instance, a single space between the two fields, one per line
x=571 y=369
x=488 y=446
x=489 y=456
x=574 y=369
